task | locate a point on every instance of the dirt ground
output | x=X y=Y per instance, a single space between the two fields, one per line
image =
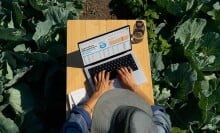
x=97 y=9
x=104 y=9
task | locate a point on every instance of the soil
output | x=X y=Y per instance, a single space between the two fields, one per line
x=104 y=9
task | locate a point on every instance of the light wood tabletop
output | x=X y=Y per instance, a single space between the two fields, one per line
x=79 y=30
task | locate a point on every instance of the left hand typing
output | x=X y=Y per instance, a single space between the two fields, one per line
x=102 y=82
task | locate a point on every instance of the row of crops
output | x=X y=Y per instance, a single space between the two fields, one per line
x=184 y=42
x=33 y=63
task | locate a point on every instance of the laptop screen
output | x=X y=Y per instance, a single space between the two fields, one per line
x=105 y=45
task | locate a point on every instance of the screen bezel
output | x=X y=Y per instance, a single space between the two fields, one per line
x=103 y=35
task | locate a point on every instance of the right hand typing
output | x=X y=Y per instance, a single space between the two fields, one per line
x=126 y=78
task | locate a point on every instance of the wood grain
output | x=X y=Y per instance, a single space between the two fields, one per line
x=79 y=30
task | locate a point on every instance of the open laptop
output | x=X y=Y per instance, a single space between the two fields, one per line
x=109 y=51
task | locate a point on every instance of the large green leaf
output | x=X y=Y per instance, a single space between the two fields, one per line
x=1 y=98
x=202 y=87
x=14 y=99
x=207 y=103
x=215 y=12
x=57 y=15
x=20 y=98
x=7 y=56
x=178 y=130
x=42 y=29
x=3 y=106
x=9 y=74
x=190 y=31
x=161 y=96
x=7 y=125
x=14 y=66
x=1 y=87
x=157 y=65
x=54 y=16
x=177 y=7
x=17 y=15
x=206 y=52
x=19 y=73
x=75 y=7
x=182 y=77
x=213 y=124
x=20 y=47
x=208 y=89
x=11 y=34
x=208 y=92
x=156 y=61
x=186 y=114
x=201 y=49
x=39 y=4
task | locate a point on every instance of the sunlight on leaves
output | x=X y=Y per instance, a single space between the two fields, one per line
x=182 y=77
x=9 y=74
x=7 y=125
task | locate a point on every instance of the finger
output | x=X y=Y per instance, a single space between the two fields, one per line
x=123 y=69
x=103 y=74
x=129 y=69
x=99 y=76
x=95 y=79
x=107 y=76
x=119 y=72
x=111 y=83
x=126 y=70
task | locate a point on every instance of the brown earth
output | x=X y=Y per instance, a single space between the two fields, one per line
x=104 y=9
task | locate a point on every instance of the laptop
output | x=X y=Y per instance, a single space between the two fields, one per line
x=109 y=51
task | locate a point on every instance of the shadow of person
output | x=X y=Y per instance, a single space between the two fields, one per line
x=119 y=10
x=74 y=60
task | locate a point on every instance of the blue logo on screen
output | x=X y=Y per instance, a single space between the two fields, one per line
x=102 y=45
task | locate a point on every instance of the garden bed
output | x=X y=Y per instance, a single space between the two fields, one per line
x=184 y=42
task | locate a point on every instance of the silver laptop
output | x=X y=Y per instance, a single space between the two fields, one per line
x=109 y=51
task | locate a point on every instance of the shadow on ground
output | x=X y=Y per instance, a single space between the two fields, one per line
x=119 y=10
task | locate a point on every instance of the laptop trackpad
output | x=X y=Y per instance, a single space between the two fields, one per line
x=139 y=78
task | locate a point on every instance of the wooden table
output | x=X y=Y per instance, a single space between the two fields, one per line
x=79 y=30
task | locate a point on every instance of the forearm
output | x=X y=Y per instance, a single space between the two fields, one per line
x=136 y=89
x=90 y=104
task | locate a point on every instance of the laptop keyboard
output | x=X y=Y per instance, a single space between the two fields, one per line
x=113 y=65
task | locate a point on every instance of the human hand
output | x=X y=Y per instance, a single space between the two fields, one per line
x=102 y=82
x=126 y=78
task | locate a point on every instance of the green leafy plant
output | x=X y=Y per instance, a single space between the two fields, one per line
x=32 y=63
x=136 y=7
x=183 y=39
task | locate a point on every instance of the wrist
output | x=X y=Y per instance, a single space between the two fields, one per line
x=88 y=108
x=133 y=87
x=97 y=94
